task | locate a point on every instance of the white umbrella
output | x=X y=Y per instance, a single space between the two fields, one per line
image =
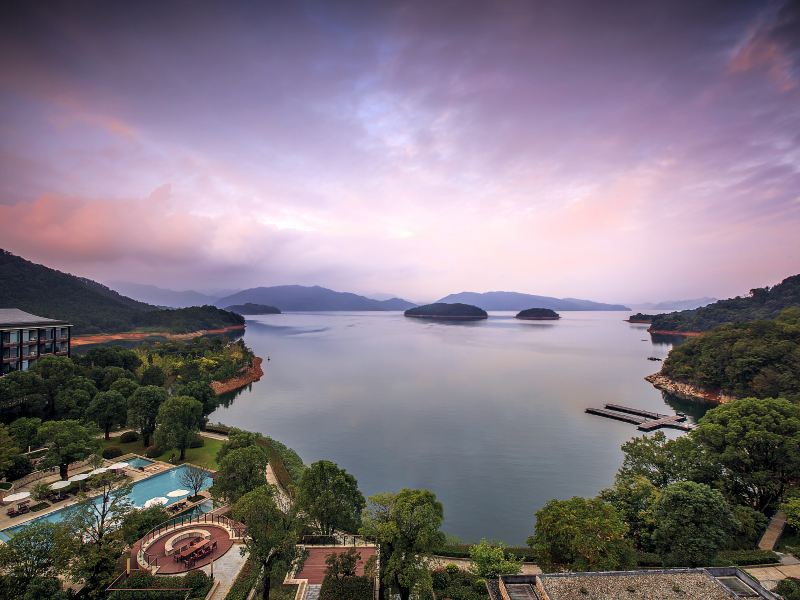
x=80 y=477
x=178 y=493
x=98 y=471
x=17 y=497
x=59 y=485
x=118 y=465
x=156 y=500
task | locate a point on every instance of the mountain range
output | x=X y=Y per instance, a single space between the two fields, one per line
x=675 y=304
x=310 y=298
x=518 y=301
x=162 y=296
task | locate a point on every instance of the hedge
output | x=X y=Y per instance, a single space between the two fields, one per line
x=133 y=588
x=112 y=452
x=462 y=551
x=128 y=437
x=347 y=588
x=724 y=558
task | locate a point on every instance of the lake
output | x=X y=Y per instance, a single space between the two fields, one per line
x=488 y=414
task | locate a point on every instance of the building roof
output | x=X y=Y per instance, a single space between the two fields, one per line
x=712 y=583
x=14 y=317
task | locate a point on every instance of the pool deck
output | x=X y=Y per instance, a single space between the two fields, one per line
x=133 y=474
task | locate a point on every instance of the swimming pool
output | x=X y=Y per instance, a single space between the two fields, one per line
x=138 y=461
x=141 y=492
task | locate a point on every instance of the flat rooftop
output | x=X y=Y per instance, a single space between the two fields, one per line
x=724 y=583
x=14 y=317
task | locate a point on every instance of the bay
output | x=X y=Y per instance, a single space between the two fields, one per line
x=489 y=415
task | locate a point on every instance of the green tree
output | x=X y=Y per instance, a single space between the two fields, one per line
x=756 y=446
x=124 y=386
x=71 y=403
x=138 y=522
x=792 y=509
x=143 y=406
x=331 y=498
x=22 y=393
x=657 y=459
x=240 y=471
x=200 y=391
x=56 y=373
x=406 y=525
x=111 y=375
x=178 y=421
x=489 y=560
x=693 y=522
x=30 y=554
x=107 y=409
x=272 y=532
x=8 y=450
x=153 y=375
x=66 y=441
x=237 y=438
x=25 y=432
x=635 y=497
x=581 y=534
x=94 y=541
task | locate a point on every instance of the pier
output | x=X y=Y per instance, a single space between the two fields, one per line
x=645 y=420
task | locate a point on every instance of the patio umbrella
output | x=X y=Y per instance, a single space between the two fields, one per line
x=178 y=493
x=118 y=465
x=98 y=471
x=155 y=501
x=59 y=485
x=80 y=477
x=17 y=497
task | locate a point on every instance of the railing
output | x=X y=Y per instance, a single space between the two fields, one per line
x=238 y=530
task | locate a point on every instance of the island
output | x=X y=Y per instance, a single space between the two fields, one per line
x=538 y=314
x=443 y=310
x=250 y=308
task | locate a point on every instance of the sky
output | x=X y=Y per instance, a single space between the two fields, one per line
x=618 y=151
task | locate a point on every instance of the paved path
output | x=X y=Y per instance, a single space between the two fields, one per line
x=770 y=576
x=312 y=591
x=226 y=568
x=773 y=533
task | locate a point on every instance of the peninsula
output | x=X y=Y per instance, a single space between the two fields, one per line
x=538 y=314
x=251 y=308
x=445 y=311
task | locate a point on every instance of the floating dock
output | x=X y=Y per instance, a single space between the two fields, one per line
x=645 y=420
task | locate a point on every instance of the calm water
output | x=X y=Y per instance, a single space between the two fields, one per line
x=489 y=415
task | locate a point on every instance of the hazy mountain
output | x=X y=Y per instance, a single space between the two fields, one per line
x=675 y=304
x=91 y=306
x=518 y=301
x=162 y=296
x=316 y=298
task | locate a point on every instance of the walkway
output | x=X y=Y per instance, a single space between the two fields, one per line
x=226 y=569
x=773 y=533
x=770 y=576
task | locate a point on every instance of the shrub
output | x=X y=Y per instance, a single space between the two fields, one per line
x=217 y=428
x=746 y=557
x=789 y=589
x=20 y=466
x=197 y=442
x=648 y=559
x=153 y=451
x=112 y=452
x=128 y=437
x=346 y=588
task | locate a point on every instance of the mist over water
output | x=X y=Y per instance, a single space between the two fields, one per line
x=489 y=414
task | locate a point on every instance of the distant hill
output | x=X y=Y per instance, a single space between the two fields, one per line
x=762 y=303
x=518 y=301
x=441 y=310
x=91 y=306
x=675 y=304
x=316 y=298
x=253 y=309
x=162 y=296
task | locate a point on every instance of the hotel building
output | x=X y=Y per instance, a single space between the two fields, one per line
x=25 y=337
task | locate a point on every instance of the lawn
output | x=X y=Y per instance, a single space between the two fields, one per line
x=204 y=457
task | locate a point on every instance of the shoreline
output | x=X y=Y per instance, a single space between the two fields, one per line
x=447 y=318
x=686 y=391
x=538 y=318
x=246 y=377
x=102 y=338
x=674 y=332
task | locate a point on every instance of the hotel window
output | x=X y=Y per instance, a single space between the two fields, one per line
x=64 y=332
x=6 y=352
x=33 y=335
x=6 y=337
x=51 y=333
x=11 y=337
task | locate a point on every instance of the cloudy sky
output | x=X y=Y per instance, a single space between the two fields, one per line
x=617 y=151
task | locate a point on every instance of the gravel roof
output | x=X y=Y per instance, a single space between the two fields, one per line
x=634 y=586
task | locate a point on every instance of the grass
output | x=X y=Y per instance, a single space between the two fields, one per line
x=790 y=541
x=206 y=456
x=5 y=485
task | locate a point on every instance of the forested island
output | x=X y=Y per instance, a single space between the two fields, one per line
x=251 y=308
x=442 y=310
x=640 y=318
x=94 y=308
x=538 y=314
x=761 y=303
